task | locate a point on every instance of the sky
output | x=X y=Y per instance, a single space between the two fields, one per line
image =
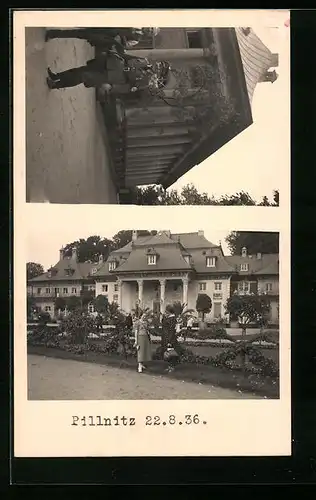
x=236 y=165
x=253 y=162
x=53 y=226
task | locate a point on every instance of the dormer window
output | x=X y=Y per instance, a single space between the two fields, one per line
x=112 y=265
x=244 y=267
x=69 y=271
x=187 y=259
x=93 y=270
x=152 y=260
x=210 y=261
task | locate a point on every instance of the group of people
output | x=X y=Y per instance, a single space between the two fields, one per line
x=169 y=342
x=112 y=70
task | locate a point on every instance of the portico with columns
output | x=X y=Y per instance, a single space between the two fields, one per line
x=154 y=290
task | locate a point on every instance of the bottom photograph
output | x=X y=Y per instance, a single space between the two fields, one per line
x=153 y=314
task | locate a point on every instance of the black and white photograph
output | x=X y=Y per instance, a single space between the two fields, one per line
x=153 y=116
x=153 y=315
x=151 y=233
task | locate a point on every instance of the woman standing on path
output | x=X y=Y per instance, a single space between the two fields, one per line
x=142 y=340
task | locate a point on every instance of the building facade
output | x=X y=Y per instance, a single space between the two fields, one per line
x=157 y=270
x=68 y=278
x=205 y=102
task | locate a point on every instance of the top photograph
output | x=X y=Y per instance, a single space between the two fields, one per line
x=154 y=116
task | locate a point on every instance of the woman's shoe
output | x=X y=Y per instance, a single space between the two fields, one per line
x=52 y=84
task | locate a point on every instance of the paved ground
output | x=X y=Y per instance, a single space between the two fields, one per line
x=66 y=161
x=58 y=379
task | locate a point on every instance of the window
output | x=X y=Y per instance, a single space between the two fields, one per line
x=116 y=287
x=74 y=290
x=48 y=308
x=39 y=290
x=202 y=287
x=112 y=265
x=244 y=286
x=218 y=286
x=47 y=291
x=56 y=291
x=210 y=261
x=93 y=270
x=91 y=308
x=194 y=39
x=244 y=267
x=217 y=309
x=115 y=298
x=151 y=260
x=105 y=288
x=187 y=259
x=268 y=287
x=65 y=290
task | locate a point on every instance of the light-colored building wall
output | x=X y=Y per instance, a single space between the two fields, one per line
x=269 y=285
x=64 y=289
x=109 y=289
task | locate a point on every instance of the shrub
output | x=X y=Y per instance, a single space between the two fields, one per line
x=78 y=324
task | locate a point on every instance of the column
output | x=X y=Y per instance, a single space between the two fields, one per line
x=162 y=295
x=119 y=292
x=185 y=285
x=140 y=291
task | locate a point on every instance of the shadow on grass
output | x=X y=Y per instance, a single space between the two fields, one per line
x=267 y=387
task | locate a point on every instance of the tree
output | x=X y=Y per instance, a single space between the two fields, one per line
x=263 y=242
x=31 y=306
x=101 y=304
x=89 y=249
x=123 y=237
x=189 y=195
x=73 y=302
x=248 y=309
x=203 y=304
x=34 y=269
x=78 y=325
x=86 y=296
x=60 y=303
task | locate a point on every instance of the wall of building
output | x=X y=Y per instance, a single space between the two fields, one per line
x=217 y=296
x=50 y=292
x=109 y=289
x=273 y=281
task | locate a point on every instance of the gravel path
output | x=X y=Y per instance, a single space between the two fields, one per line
x=65 y=154
x=58 y=379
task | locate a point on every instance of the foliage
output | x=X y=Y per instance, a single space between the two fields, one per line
x=101 y=304
x=44 y=317
x=73 y=302
x=60 y=303
x=203 y=304
x=86 y=296
x=33 y=269
x=249 y=308
x=89 y=249
x=181 y=312
x=254 y=241
x=30 y=306
x=78 y=324
x=189 y=195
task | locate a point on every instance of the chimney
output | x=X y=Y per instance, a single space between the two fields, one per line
x=134 y=235
x=74 y=254
x=274 y=60
x=200 y=232
x=244 y=252
x=61 y=253
x=259 y=255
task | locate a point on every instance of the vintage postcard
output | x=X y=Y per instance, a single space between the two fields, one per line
x=152 y=233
